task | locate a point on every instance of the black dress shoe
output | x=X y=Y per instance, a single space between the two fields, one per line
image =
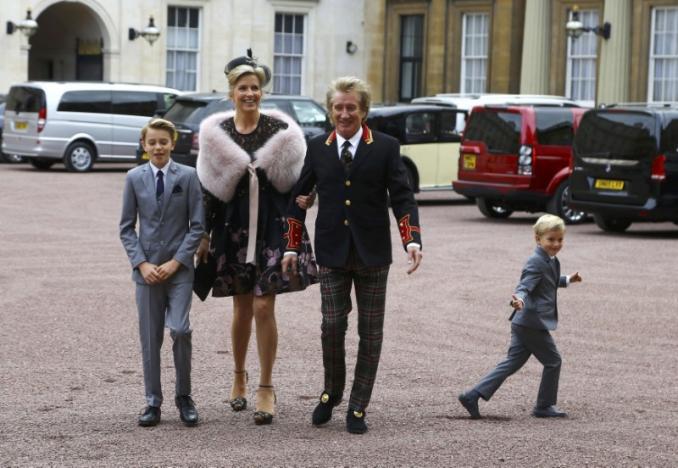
x=150 y=416
x=355 y=422
x=470 y=402
x=548 y=412
x=323 y=412
x=187 y=411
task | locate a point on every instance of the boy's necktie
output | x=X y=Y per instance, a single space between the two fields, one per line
x=160 y=186
x=346 y=156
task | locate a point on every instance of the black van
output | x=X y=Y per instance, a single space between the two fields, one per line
x=625 y=165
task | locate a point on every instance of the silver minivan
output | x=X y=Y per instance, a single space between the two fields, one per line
x=79 y=122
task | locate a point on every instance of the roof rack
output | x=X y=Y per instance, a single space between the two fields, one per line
x=638 y=104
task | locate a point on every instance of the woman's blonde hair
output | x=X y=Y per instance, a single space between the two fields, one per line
x=242 y=70
x=160 y=124
x=346 y=84
x=548 y=222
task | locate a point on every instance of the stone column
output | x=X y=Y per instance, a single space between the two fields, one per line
x=615 y=59
x=534 y=72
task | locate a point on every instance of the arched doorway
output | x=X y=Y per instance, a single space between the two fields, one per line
x=68 y=45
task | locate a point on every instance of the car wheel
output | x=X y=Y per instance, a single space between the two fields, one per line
x=411 y=179
x=611 y=224
x=79 y=157
x=559 y=206
x=493 y=208
x=41 y=164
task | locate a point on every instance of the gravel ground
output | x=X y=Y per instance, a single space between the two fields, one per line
x=70 y=371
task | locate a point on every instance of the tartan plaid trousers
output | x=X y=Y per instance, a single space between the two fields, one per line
x=335 y=290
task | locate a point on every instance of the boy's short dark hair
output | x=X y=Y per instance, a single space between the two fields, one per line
x=160 y=124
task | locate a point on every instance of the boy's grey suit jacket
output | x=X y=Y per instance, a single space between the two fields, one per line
x=168 y=229
x=538 y=286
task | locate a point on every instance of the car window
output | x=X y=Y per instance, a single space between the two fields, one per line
x=270 y=105
x=134 y=103
x=554 y=126
x=185 y=112
x=500 y=131
x=420 y=127
x=166 y=100
x=309 y=114
x=95 y=102
x=616 y=133
x=25 y=99
x=670 y=137
x=449 y=126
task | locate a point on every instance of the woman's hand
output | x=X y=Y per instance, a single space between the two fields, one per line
x=305 y=201
x=203 y=250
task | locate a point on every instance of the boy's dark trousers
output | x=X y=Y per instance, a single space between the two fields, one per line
x=525 y=342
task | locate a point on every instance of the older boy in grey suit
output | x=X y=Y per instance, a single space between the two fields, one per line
x=167 y=200
x=535 y=314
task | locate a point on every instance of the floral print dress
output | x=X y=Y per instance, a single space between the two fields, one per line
x=228 y=223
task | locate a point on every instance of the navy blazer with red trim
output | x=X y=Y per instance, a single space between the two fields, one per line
x=355 y=205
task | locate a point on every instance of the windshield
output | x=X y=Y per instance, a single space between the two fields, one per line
x=186 y=112
x=25 y=99
x=500 y=131
x=610 y=133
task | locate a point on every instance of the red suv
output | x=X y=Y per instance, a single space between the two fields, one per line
x=517 y=158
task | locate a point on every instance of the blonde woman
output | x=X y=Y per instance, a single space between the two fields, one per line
x=248 y=163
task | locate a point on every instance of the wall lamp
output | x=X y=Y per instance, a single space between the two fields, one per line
x=28 y=26
x=576 y=28
x=151 y=33
x=351 y=48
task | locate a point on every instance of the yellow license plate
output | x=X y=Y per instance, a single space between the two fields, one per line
x=607 y=184
x=22 y=125
x=145 y=156
x=469 y=161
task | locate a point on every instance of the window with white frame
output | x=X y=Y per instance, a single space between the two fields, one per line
x=663 y=81
x=288 y=53
x=183 y=33
x=474 y=50
x=411 y=56
x=582 y=56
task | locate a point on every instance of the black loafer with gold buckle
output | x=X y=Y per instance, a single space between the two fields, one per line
x=355 y=422
x=323 y=412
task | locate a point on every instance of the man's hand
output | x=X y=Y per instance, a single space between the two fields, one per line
x=413 y=258
x=516 y=302
x=305 y=201
x=167 y=269
x=289 y=263
x=149 y=273
x=203 y=250
x=576 y=278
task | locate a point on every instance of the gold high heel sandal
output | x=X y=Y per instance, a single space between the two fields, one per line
x=262 y=417
x=239 y=402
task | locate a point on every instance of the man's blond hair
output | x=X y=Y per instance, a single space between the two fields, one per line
x=346 y=84
x=160 y=124
x=548 y=222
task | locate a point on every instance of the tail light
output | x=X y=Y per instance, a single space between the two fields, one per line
x=42 y=118
x=195 y=143
x=658 y=171
x=525 y=160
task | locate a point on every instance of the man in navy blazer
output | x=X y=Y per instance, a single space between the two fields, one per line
x=355 y=171
x=535 y=314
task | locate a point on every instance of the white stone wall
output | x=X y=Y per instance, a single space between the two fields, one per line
x=228 y=28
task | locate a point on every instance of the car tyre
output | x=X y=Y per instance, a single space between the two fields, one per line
x=611 y=224
x=493 y=208
x=559 y=205
x=41 y=164
x=79 y=156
